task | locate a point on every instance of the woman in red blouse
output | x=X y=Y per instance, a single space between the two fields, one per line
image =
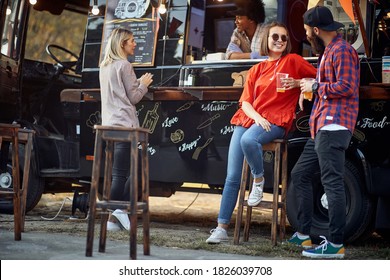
x=263 y=116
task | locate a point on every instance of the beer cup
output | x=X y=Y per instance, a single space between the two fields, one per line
x=280 y=87
x=308 y=92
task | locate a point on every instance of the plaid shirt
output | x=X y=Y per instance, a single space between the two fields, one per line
x=239 y=42
x=338 y=93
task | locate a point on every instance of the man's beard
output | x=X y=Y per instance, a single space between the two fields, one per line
x=317 y=44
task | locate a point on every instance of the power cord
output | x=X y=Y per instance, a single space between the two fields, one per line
x=62 y=205
x=193 y=201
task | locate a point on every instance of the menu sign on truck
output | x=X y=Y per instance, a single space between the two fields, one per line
x=140 y=17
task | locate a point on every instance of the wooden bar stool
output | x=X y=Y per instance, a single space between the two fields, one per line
x=279 y=148
x=110 y=135
x=12 y=133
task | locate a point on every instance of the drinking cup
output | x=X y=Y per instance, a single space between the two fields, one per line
x=280 y=87
x=308 y=92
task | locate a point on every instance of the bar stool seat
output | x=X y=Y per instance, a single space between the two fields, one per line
x=12 y=133
x=279 y=148
x=136 y=137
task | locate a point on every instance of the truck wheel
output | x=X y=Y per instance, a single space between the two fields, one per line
x=359 y=210
x=35 y=186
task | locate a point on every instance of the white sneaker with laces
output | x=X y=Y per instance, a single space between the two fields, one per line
x=256 y=194
x=111 y=226
x=218 y=235
x=123 y=219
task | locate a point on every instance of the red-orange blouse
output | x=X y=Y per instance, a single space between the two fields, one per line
x=260 y=91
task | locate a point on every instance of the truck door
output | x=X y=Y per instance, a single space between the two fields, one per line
x=11 y=31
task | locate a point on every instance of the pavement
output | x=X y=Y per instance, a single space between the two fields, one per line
x=55 y=246
x=62 y=256
x=63 y=246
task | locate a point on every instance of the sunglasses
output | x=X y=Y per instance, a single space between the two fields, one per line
x=275 y=37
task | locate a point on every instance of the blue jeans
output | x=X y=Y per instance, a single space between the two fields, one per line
x=248 y=142
x=327 y=154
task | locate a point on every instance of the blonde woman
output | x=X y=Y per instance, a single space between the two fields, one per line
x=120 y=92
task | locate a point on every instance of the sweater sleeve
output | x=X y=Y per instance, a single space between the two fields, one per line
x=134 y=89
x=304 y=68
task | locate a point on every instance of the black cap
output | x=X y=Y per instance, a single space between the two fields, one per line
x=253 y=9
x=321 y=17
x=240 y=11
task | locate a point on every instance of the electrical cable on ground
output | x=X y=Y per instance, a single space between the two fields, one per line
x=62 y=205
x=192 y=202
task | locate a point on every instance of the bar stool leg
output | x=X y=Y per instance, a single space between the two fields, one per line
x=16 y=186
x=106 y=194
x=283 y=193
x=26 y=175
x=275 y=208
x=248 y=216
x=133 y=198
x=145 y=196
x=241 y=199
x=93 y=192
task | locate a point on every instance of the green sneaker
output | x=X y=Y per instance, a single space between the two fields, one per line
x=296 y=240
x=325 y=250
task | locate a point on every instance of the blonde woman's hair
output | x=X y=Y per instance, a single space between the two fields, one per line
x=264 y=50
x=114 y=48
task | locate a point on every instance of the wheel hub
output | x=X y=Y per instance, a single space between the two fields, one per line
x=5 y=180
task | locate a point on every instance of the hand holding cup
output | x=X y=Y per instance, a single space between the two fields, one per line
x=306 y=88
x=289 y=83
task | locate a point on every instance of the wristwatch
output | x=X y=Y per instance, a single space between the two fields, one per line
x=314 y=87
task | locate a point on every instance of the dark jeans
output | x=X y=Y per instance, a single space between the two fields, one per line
x=327 y=154
x=120 y=172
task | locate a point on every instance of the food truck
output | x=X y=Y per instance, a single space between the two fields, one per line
x=49 y=69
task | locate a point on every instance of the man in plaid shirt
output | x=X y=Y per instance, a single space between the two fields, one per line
x=332 y=121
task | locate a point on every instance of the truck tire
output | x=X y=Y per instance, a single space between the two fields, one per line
x=35 y=186
x=359 y=212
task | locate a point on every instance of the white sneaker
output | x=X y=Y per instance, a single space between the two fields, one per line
x=218 y=235
x=111 y=226
x=122 y=218
x=256 y=194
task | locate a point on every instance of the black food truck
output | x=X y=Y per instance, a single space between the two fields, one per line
x=49 y=59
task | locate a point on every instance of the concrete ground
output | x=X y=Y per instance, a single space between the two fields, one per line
x=177 y=209
x=49 y=246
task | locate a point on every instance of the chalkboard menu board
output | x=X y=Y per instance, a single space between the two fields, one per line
x=141 y=18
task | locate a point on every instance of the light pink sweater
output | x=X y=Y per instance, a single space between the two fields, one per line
x=120 y=92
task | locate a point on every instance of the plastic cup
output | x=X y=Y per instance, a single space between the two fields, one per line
x=279 y=82
x=308 y=94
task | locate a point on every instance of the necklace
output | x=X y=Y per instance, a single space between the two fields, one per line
x=265 y=65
